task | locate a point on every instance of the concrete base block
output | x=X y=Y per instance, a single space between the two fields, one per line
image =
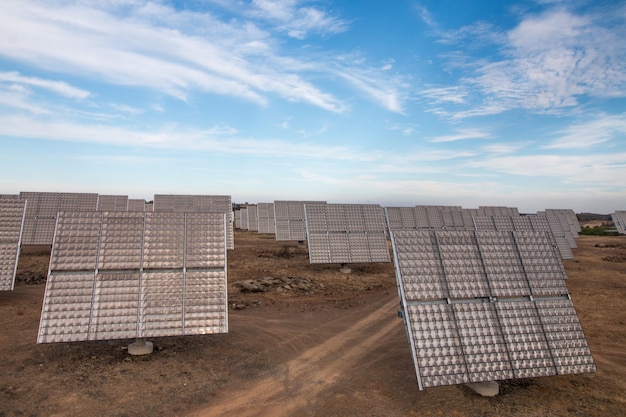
x=486 y=389
x=140 y=347
x=345 y=270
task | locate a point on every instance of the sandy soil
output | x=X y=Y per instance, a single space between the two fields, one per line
x=316 y=342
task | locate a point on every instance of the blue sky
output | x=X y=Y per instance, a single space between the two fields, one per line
x=516 y=103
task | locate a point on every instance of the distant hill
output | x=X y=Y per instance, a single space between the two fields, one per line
x=588 y=217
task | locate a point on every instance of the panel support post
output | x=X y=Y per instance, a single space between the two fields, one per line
x=486 y=389
x=140 y=347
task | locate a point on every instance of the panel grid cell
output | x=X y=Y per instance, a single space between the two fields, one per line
x=542 y=264
x=164 y=240
x=565 y=337
x=440 y=359
x=526 y=342
x=206 y=306
x=422 y=273
x=76 y=241
x=205 y=241
x=319 y=248
x=503 y=265
x=121 y=240
x=161 y=308
x=462 y=264
x=115 y=306
x=66 y=310
x=484 y=347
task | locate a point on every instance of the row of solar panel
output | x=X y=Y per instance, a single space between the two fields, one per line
x=101 y=286
x=43 y=207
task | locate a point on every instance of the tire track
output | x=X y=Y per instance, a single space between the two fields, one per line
x=301 y=379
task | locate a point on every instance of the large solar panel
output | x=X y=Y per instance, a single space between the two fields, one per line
x=12 y=212
x=136 y=204
x=117 y=275
x=486 y=305
x=198 y=203
x=243 y=213
x=237 y=217
x=41 y=211
x=290 y=220
x=253 y=218
x=113 y=203
x=619 y=219
x=346 y=233
x=265 y=213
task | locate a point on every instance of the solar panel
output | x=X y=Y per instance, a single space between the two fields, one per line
x=346 y=233
x=117 y=275
x=563 y=237
x=265 y=213
x=237 y=217
x=12 y=212
x=290 y=220
x=253 y=219
x=199 y=203
x=619 y=219
x=113 y=203
x=243 y=212
x=41 y=211
x=136 y=204
x=486 y=305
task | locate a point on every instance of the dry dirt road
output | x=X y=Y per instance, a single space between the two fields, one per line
x=315 y=343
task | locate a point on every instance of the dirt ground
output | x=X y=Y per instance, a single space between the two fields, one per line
x=311 y=341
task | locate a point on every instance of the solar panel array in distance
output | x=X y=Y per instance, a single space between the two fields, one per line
x=346 y=233
x=290 y=220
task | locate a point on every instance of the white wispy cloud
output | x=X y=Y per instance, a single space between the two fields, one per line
x=387 y=93
x=600 y=169
x=219 y=138
x=602 y=129
x=18 y=97
x=505 y=148
x=546 y=64
x=58 y=87
x=296 y=18
x=454 y=94
x=156 y=47
x=463 y=134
